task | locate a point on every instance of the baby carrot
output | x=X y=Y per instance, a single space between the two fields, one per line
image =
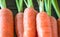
x=29 y=20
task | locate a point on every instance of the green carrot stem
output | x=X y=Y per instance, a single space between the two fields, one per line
x=29 y=3
x=2 y=3
x=48 y=6
x=25 y=3
x=19 y=4
x=56 y=7
x=41 y=5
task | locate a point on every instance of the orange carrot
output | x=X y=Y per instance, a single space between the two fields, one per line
x=19 y=19
x=43 y=22
x=52 y=19
x=54 y=26
x=6 y=23
x=58 y=22
x=19 y=24
x=56 y=7
x=29 y=20
x=43 y=25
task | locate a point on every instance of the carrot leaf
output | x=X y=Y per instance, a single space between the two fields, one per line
x=41 y=5
x=48 y=6
x=28 y=3
x=2 y=3
x=56 y=7
x=25 y=3
x=19 y=4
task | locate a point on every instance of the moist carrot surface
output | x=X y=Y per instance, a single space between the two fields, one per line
x=19 y=24
x=54 y=26
x=43 y=25
x=29 y=22
x=6 y=23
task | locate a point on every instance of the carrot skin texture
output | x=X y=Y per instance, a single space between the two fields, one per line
x=54 y=26
x=43 y=25
x=58 y=23
x=29 y=22
x=19 y=24
x=6 y=23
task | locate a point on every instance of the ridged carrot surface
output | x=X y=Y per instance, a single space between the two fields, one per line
x=6 y=23
x=19 y=24
x=19 y=19
x=43 y=25
x=29 y=22
x=54 y=26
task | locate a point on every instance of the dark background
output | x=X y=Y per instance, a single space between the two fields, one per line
x=12 y=6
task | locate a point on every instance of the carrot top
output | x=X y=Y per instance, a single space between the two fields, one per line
x=19 y=4
x=56 y=7
x=41 y=5
x=48 y=6
x=28 y=3
x=2 y=4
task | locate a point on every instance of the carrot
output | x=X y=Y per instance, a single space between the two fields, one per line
x=6 y=21
x=19 y=24
x=29 y=20
x=52 y=19
x=43 y=22
x=56 y=7
x=19 y=19
x=54 y=26
x=58 y=22
x=43 y=25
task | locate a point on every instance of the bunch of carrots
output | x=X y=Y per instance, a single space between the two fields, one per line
x=30 y=22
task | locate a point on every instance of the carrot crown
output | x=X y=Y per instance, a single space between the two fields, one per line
x=19 y=4
x=48 y=6
x=2 y=4
x=56 y=7
x=41 y=5
x=28 y=3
